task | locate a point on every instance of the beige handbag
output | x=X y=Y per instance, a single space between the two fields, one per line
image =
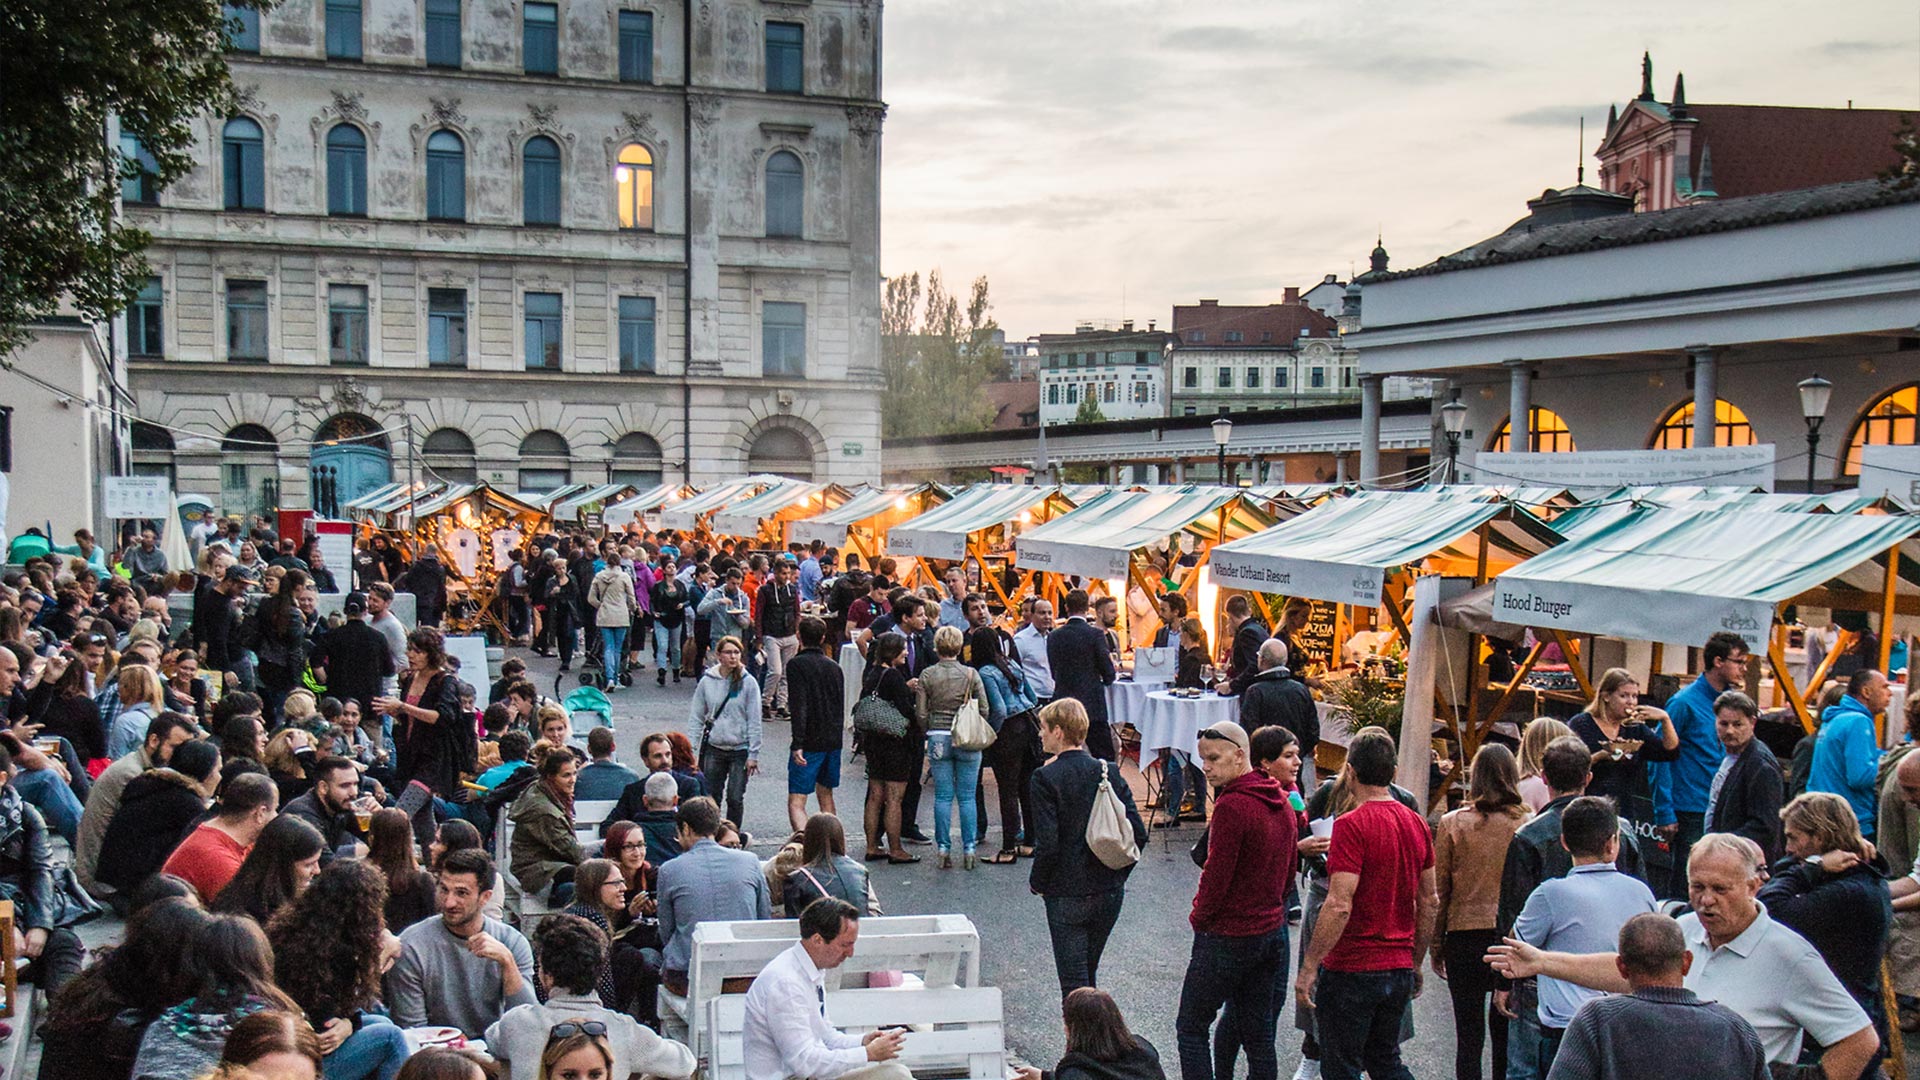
x=1109 y=833
x=970 y=729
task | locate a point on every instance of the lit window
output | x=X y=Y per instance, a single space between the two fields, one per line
x=785 y=50
x=633 y=178
x=446 y=177
x=244 y=155
x=540 y=39
x=786 y=195
x=783 y=339
x=346 y=171
x=1547 y=432
x=347 y=324
x=542 y=331
x=1889 y=422
x=1730 y=427
x=636 y=46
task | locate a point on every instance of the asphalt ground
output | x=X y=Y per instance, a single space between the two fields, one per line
x=1145 y=960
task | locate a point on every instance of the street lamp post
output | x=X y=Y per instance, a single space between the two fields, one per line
x=1814 y=394
x=1453 y=419
x=1222 y=431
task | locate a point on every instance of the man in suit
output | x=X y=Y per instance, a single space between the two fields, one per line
x=1082 y=895
x=1082 y=670
x=1249 y=633
x=1173 y=612
x=1748 y=790
x=913 y=619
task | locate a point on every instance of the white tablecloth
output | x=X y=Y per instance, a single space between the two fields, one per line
x=1170 y=723
x=1127 y=702
x=853 y=668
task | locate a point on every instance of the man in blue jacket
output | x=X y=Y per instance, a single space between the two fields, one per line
x=1846 y=754
x=1682 y=787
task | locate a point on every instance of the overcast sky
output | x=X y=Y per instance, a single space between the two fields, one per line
x=1109 y=158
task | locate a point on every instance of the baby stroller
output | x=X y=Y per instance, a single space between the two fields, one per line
x=588 y=708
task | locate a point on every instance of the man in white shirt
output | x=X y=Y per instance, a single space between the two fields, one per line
x=1760 y=969
x=787 y=1034
x=1030 y=646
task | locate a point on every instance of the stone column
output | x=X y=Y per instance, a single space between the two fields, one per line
x=1519 y=406
x=1369 y=429
x=1706 y=393
x=863 y=184
x=703 y=270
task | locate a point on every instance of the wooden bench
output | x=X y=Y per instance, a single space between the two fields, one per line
x=957 y=1030
x=942 y=950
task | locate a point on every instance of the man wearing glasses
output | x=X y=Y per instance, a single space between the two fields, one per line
x=573 y=956
x=1682 y=787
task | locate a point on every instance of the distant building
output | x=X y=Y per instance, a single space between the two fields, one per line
x=1234 y=358
x=1123 y=371
x=1328 y=297
x=1023 y=357
x=1016 y=404
x=1668 y=154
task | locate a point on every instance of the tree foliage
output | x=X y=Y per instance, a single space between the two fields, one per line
x=936 y=355
x=71 y=68
x=1089 y=411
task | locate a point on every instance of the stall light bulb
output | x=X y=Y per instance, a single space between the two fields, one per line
x=1026 y=517
x=900 y=503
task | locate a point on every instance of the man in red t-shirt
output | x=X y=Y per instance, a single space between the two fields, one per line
x=1361 y=968
x=210 y=855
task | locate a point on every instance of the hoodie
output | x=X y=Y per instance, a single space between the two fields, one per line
x=1250 y=858
x=156 y=810
x=734 y=715
x=1846 y=758
x=1142 y=1063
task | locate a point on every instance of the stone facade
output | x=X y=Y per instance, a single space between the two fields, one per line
x=680 y=381
x=1124 y=371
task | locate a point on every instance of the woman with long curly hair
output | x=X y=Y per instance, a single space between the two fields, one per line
x=93 y=1030
x=282 y=863
x=409 y=889
x=330 y=948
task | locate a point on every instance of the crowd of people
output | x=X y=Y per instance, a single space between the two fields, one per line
x=295 y=816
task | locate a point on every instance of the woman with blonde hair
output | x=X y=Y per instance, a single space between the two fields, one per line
x=946 y=686
x=1828 y=890
x=142 y=698
x=1533 y=746
x=1623 y=735
x=1470 y=852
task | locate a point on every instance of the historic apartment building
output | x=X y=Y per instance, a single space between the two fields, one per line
x=1123 y=371
x=524 y=242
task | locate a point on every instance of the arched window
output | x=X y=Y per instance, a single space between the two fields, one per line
x=245 y=153
x=1730 y=427
x=636 y=460
x=1549 y=434
x=249 y=475
x=540 y=182
x=544 y=462
x=151 y=437
x=449 y=453
x=634 y=179
x=152 y=450
x=786 y=194
x=446 y=177
x=781 y=451
x=249 y=439
x=346 y=171
x=1889 y=421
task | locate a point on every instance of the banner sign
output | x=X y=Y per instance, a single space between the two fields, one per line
x=927 y=543
x=1891 y=470
x=1630 y=614
x=336 y=547
x=1591 y=471
x=1338 y=583
x=138 y=497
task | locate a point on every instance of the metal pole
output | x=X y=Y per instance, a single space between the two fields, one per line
x=1221 y=462
x=1813 y=450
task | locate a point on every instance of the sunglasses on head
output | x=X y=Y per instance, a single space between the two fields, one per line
x=1218 y=736
x=591 y=1028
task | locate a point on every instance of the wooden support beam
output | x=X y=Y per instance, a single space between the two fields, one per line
x=1778 y=658
x=1888 y=595
x=1856 y=600
x=1571 y=650
x=1506 y=693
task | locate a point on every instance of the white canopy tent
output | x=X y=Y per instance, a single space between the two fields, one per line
x=689 y=514
x=1098 y=539
x=942 y=532
x=745 y=517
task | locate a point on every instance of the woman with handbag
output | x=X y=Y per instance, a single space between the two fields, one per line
x=887 y=718
x=954 y=696
x=726 y=713
x=1015 y=752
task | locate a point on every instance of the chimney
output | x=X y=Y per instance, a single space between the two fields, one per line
x=1126 y=326
x=1209 y=303
x=1292 y=296
x=1150 y=326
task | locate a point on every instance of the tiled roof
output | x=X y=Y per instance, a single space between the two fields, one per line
x=1762 y=148
x=1281 y=322
x=1010 y=400
x=1524 y=241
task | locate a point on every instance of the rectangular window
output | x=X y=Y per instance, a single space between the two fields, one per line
x=243 y=28
x=1053 y=360
x=1279 y=378
x=1196 y=336
x=1346 y=378
x=443 y=33
x=247 y=320
x=1317 y=378
x=540 y=39
x=347 y=324
x=1253 y=378
x=1189 y=410
x=1223 y=378
x=143 y=321
x=143 y=187
x=636 y=46
x=543 y=315
x=1053 y=394
x=1140 y=357
x=636 y=335
x=1191 y=379
x=447 y=328
x=1073 y=393
x=1266 y=335
x=783 y=339
x=785 y=46
x=1140 y=391
x=343 y=29
x=1234 y=337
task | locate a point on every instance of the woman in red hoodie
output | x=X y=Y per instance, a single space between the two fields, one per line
x=1239 y=911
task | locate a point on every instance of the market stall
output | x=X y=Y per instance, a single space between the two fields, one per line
x=860 y=525
x=693 y=515
x=473 y=528
x=385 y=507
x=979 y=523
x=587 y=509
x=762 y=519
x=643 y=508
x=1675 y=576
x=1153 y=541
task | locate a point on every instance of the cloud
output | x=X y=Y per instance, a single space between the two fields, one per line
x=1217 y=39
x=1847 y=50
x=1554 y=116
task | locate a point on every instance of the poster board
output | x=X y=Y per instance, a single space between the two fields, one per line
x=1316 y=639
x=471 y=651
x=1891 y=470
x=137 y=497
x=335 y=539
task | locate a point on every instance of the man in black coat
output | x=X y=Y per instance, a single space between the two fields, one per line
x=816 y=699
x=1275 y=697
x=1082 y=895
x=426 y=579
x=1082 y=670
x=354 y=657
x=1249 y=633
x=1749 y=791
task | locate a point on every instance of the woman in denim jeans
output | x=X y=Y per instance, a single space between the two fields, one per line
x=946 y=686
